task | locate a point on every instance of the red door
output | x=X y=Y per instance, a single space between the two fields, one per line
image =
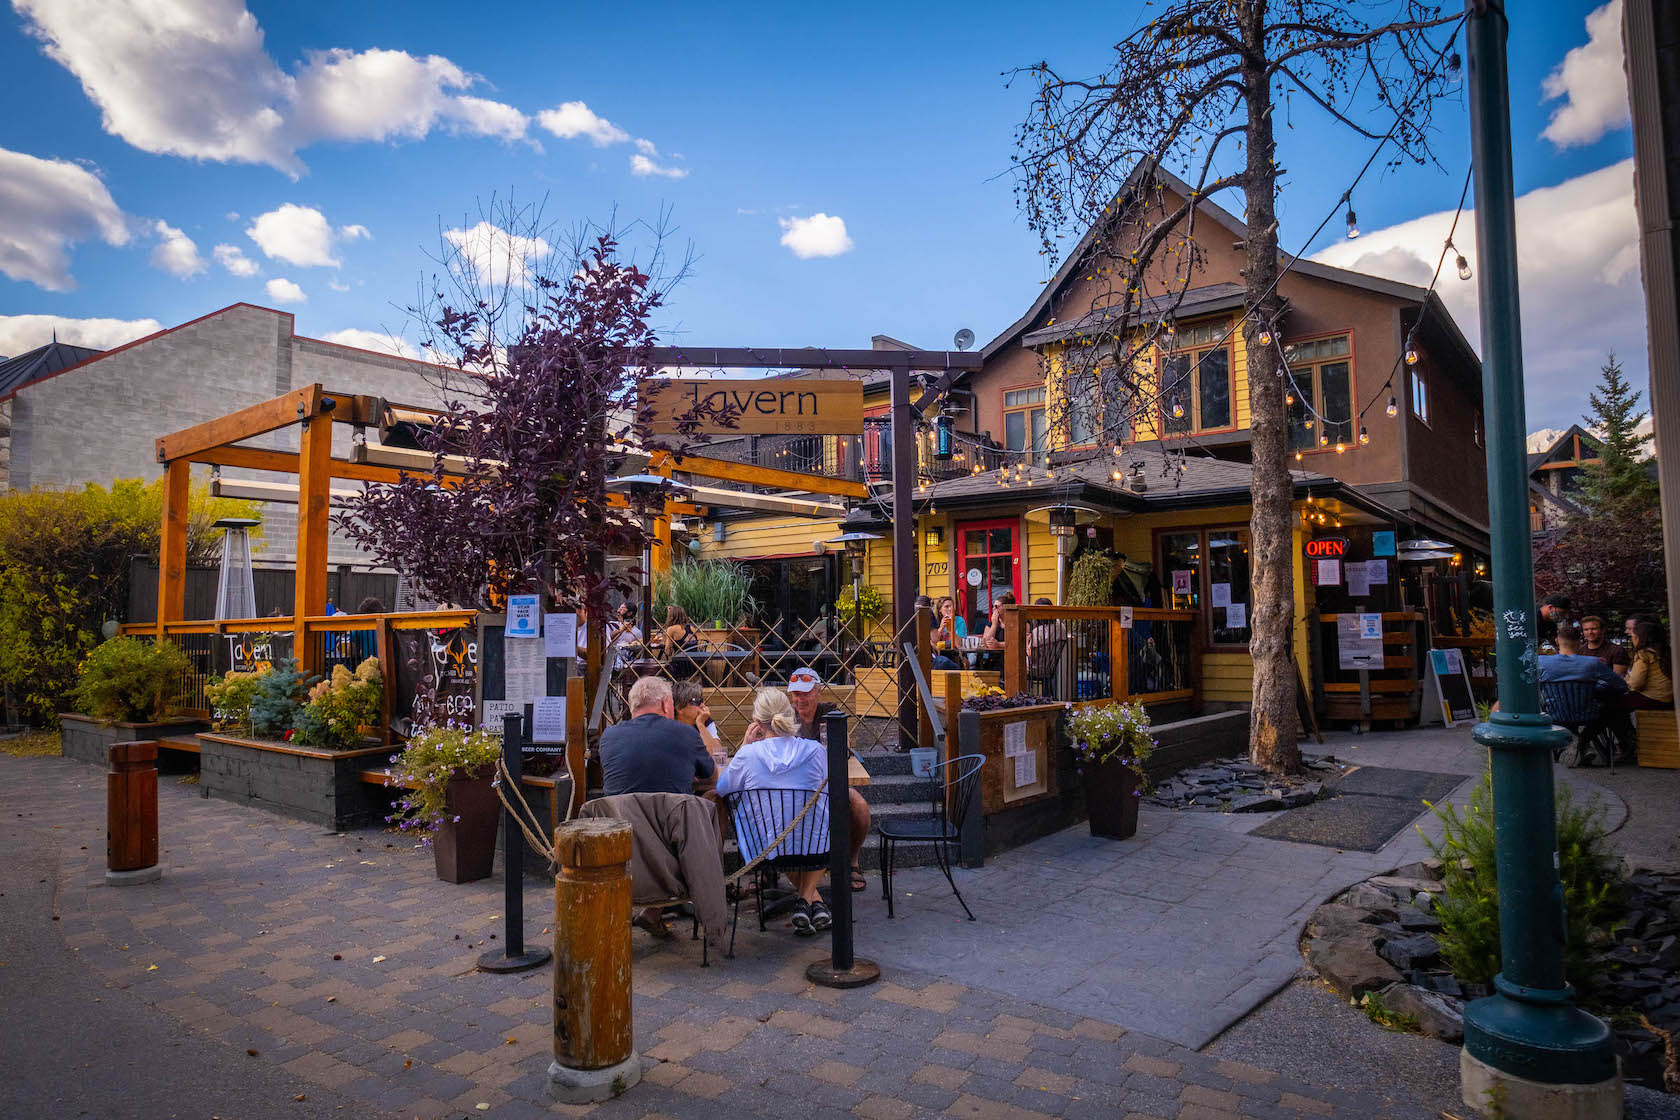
x=990 y=556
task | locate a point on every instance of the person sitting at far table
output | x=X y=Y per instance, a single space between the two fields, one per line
x=774 y=755
x=1595 y=644
x=802 y=690
x=1649 y=680
x=692 y=709
x=949 y=629
x=1570 y=664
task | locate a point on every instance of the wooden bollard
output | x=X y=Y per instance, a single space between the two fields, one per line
x=594 y=1055
x=131 y=815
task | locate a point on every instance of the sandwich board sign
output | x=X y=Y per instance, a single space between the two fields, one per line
x=1450 y=691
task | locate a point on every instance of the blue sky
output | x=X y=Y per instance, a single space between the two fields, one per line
x=895 y=119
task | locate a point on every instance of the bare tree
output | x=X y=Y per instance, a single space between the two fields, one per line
x=1199 y=80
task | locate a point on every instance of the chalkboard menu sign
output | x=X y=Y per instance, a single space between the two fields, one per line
x=1452 y=681
x=437 y=673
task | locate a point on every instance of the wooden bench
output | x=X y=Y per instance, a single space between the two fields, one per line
x=1659 y=739
x=186 y=745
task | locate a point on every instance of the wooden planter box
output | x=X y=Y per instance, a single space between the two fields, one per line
x=86 y=739
x=305 y=783
x=1017 y=813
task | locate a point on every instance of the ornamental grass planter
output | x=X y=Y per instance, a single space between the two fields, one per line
x=1111 y=799
x=464 y=846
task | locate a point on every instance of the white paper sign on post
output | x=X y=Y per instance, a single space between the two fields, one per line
x=522 y=617
x=1014 y=739
x=1376 y=571
x=1181 y=581
x=1221 y=596
x=560 y=635
x=1329 y=572
x=524 y=671
x=548 y=720
x=1370 y=626
x=1358 y=580
x=491 y=713
x=1125 y=618
x=1026 y=769
x=1236 y=616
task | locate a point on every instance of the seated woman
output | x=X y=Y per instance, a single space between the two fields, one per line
x=693 y=710
x=949 y=630
x=773 y=756
x=1648 y=680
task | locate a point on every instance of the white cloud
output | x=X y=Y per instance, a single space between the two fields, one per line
x=496 y=256
x=338 y=285
x=1578 y=265
x=176 y=253
x=820 y=235
x=300 y=235
x=1591 y=82
x=22 y=333
x=45 y=207
x=642 y=166
x=647 y=147
x=281 y=290
x=573 y=119
x=233 y=258
x=380 y=342
x=192 y=78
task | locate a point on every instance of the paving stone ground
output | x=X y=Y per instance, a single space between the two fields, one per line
x=238 y=941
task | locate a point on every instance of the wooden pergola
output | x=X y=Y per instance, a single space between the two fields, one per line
x=218 y=443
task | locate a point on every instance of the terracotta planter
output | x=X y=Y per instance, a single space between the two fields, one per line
x=465 y=850
x=1111 y=799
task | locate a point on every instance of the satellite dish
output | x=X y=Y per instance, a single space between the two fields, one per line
x=964 y=339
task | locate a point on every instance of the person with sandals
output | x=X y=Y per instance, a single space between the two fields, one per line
x=803 y=688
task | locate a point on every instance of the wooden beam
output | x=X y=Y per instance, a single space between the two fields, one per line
x=661 y=550
x=810 y=357
x=314 y=503
x=286 y=462
x=259 y=419
x=172 y=551
x=703 y=467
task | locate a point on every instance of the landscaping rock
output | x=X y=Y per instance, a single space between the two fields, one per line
x=1443 y=982
x=1414 y=920
x=1349 y=968
x=1398 y=883
x=1437 y=1016
x=1366 y=897
x=1429 y=869
x=1333 y=921
x=1416 y=951
x=1257 y=803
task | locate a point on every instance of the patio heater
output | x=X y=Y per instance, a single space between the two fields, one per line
x=236 y=588
x=643 y=489
x=857 y=545
x=1065 y=520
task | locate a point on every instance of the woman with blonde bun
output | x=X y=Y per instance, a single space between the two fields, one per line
x=773 y=756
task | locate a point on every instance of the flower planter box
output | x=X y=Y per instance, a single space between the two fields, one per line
x=305 y=783
x=86 y=739
x=1016 y=813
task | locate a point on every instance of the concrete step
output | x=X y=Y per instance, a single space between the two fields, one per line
x=898 y=789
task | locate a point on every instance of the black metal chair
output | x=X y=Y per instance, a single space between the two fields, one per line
x=939 y=828
x=758 y=817
x=1575 y=705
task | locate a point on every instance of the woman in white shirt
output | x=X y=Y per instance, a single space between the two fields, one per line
x=773 y=756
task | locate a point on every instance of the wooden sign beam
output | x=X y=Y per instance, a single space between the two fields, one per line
x=759 y=406
x=750 y=357
x=703 y=467
x=258 y=419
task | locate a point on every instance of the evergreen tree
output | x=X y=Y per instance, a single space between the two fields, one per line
x=1620 y=475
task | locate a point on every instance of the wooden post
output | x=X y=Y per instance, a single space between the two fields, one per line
x=310 y=585
x=1119 y=660
x=1014 y=650
x=924 y=658
x=172 y=550
x=593 y=1055
x=384 y=645
x=131 y=815
x=577 y=732
x=953 y=708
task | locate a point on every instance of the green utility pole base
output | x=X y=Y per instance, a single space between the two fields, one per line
x=1493 y=1092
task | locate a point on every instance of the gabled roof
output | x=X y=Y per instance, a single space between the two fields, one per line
x=1535 y=458
x=1566 y=504
x=39 y=363
x=1197 y=301
x=1238 y=230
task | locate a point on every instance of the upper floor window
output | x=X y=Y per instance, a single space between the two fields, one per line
x=1024 y=425
x=1196 y=381
x=1420 y=395
x=1321 y=413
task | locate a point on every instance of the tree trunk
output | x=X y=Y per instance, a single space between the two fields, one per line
x=1272 y=736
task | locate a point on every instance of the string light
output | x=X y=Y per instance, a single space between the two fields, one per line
x=1463 y=268
x=1364 y=436
x=1178 y=409
x=1307 y=423
x=1411 y=356
x=1117 y=449
x=1352 y=220
x=1265 y=335
x=1393 y=406
x=1297 y=456
x=1340 y=447
x=1323 y=440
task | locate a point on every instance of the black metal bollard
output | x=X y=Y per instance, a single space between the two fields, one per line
x=842 y=969
x=513 y=956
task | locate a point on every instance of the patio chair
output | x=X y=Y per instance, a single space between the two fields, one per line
x=758 y=817
x=1574 y=705
x=1044 y=661
x=954 y=779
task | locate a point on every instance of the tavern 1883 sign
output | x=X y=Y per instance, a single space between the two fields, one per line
x=768 y=406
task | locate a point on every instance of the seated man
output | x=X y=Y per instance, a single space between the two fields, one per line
x=651 y=752
x=775 y=755
x=802 y=690
x=1570 y=664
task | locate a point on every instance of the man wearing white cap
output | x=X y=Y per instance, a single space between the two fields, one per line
x=803 y=688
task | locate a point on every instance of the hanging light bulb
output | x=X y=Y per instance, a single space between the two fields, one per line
x=1340 y=447
x=1297 y=456
x=1265 y=335
x=1455 y=66
x=1307 y=422
x=1178 y=409
x=1364 y=436
x=1323 y=440
x=1289 y=399
x=1117 y=449
x=1463 y=268
x=1115 y=476
x=1167 y=327
x=1393 y=409
x=1352 y=220
x=1411 y=356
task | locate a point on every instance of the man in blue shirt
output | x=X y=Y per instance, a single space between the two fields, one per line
x=651 y=752
x=1570 y=664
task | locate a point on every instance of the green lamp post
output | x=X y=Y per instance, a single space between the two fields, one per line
x=1528 y=1043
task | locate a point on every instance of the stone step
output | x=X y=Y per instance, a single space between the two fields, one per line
x=898 y=789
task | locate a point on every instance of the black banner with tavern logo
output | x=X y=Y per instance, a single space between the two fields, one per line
x=256 y=652
x=437 y=676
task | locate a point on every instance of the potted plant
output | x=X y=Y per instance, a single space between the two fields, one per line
x=715 y=594
x=342 y=709
x=128 y=690
x=450 y=799
x=1111 y=742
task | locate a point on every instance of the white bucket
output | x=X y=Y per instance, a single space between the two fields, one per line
x=922 y=761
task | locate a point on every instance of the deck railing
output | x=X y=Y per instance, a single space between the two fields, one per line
x=1083 y=654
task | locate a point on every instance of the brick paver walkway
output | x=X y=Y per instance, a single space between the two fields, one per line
x=341 y=959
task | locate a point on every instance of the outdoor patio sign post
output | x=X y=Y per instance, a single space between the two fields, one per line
x=842 y=969
x=1528 y=1043
x=513 y=956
